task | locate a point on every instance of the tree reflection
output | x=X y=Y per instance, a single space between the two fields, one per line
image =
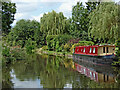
x=53 y=72
x=6 y=78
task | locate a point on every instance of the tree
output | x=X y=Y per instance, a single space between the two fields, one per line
x=104 y=22
x=79 y=21
x=8 y=12
x=53 y=23
x=91 y=5
x=24 y=30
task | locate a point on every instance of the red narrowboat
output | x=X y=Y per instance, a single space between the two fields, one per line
x=105 y=51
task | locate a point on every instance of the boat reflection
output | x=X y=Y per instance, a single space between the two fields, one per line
x=98 y=73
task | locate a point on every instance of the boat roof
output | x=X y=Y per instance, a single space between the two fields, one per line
x=98 y=46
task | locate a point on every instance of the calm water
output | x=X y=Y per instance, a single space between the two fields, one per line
x=43 y=71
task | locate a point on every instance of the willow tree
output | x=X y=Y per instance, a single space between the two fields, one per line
x=53 y=23
x=104 y=22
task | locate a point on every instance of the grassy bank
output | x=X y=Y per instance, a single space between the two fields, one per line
x=64 y=54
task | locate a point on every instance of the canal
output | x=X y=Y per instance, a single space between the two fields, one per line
x=44 y=71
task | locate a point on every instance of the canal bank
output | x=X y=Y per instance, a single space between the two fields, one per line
x=86 y=59
x=62 y=54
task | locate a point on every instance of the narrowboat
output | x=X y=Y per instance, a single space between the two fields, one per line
x=104 y=51
x=96 y=54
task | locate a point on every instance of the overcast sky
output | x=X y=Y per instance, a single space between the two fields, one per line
x=34 y=9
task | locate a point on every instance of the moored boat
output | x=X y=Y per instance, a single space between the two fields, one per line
x=103 y=54
x=104 y=51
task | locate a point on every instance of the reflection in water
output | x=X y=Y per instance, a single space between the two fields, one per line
x=99 y=77
x=30 y=83
x=43 y=71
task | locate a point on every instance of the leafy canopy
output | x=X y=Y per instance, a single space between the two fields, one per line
x=104 y=22
x=8 y=13
x=53 y=23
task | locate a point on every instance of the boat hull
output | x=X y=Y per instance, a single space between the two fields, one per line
x=94 y=59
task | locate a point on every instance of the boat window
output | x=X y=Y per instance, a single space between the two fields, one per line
x=107 y=50
x=103 y=49
x=81 y=50
x=90 y=50
x=77 y=50
x=84 y=50
x=93 y=50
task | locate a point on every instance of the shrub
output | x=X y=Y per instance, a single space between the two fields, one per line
x=57 y=46
x=20 y=43
x=63 y=39
x=45 y=47
x=73 y=41
x=30 y=46
x=86 y=43
x=67 y=47
x=117 y=44
x=55 y=42
x=117 y=50
x=6 y=51
x=50 y=41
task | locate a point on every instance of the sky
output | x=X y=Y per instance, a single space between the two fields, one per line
x=34 y=9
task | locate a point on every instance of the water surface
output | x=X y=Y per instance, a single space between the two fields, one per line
x=43 y=71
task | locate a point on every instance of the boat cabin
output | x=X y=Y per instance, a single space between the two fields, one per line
x=96 y=50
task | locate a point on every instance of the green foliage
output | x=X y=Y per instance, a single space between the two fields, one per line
x=39 y=37
x=6 y=51
x=57 y=46
x=118 y=46
x=67 y=47
x=8 y=13
x=45 y=47
x=53 y=23
x=117 y=50
x=23 y=30
x=55 y=42
x=104 y=22
x=10 y=55
x=86 y=43
x=51 y=41
x=79 y=22
x=91 y=5
x=30 y=46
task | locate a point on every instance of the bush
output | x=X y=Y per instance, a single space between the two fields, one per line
x=117 y=51
x=55 y=42
x=50 y=41
x=57 y=46
x=83 y=43
x=117 y=44
x=63 y=39
x=20 y=43
x=67 y=47
x=45 y=48
x=6 y=51
x=73 y=41
x=30 y=46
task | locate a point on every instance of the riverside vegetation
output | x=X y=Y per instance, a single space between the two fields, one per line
x=55 y=32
